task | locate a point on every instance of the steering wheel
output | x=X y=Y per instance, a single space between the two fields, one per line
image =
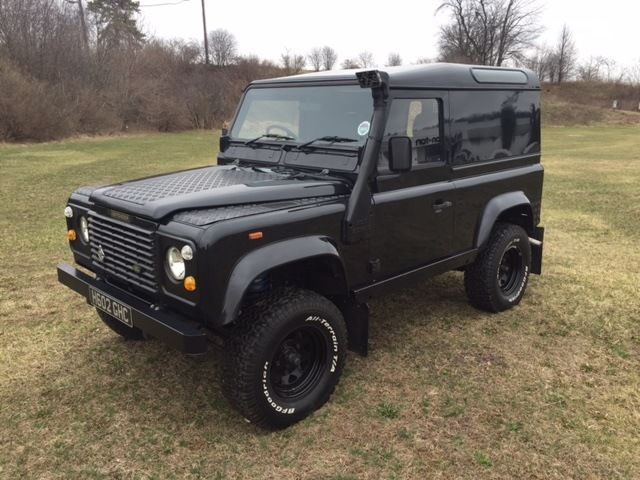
x=289 y=133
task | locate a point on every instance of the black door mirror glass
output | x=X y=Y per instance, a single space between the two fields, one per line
x=400 y=149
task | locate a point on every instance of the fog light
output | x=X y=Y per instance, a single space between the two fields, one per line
x=71 y=235
x=68 y=212
x=190 y=284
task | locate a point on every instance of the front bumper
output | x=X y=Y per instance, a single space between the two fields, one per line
x=171 y=328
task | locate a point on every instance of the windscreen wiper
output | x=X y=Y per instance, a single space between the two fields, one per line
x=330 y=138
x=269 y=135
x=322 y=175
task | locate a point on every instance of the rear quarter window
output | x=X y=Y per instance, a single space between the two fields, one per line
x=491 y=125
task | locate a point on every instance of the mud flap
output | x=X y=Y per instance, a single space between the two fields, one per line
x=536 y=250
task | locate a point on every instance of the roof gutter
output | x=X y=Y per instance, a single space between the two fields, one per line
x=357 y=221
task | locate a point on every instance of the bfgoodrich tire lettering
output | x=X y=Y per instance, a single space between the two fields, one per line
x=498 y=278
x=284 y=357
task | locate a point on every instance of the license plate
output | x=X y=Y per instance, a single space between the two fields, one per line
x=111 y=306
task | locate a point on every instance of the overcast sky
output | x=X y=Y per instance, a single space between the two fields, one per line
x=609 y=28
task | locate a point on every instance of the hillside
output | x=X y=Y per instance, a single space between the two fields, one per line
x=582 y=103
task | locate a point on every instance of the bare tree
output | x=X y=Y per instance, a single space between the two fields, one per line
x=634 y=74
x=329 y=57
x=565 y=55
x=591 y=70
x=223 y=46
x=292 y=63
x=541 y=61
x=599 y=69
x=394 y=60
x=488 y=32
x=424 y=60
x=349 y=63
x=315 y=58
x=365 y=59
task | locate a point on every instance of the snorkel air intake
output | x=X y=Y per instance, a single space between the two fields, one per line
x=357 y=223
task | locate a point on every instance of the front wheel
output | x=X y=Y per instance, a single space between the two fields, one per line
x=498 y=278
x=285 y=357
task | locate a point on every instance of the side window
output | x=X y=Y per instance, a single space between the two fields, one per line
x=418 y=119
x=493 y=125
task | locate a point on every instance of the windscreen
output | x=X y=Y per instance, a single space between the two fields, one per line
x=305 y=113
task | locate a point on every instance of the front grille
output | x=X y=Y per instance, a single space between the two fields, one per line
x=124 y=251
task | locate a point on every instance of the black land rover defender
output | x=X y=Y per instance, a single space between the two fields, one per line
x=331 y=188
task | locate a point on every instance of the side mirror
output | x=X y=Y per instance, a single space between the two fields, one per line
x=400 y=152
x=224 y=141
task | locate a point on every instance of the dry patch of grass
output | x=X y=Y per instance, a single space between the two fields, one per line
x=547 y=390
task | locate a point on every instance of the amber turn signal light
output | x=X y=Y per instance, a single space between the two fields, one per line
x=255 y=235
x=189 y=284
x=72 y=235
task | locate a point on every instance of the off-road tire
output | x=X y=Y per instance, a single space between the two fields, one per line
x=253 y=356
x=129 y=333
x=482 y=278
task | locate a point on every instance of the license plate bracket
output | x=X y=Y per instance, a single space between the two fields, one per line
x=111 y=306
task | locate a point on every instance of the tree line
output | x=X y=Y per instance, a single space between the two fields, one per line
x=85 y=66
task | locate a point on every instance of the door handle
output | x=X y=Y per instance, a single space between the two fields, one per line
x=440 y=205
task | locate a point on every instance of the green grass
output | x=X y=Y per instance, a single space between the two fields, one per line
x=547 y=390
x=388 y=410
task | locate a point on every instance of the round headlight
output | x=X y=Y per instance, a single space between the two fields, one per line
x=84 y=229
x=68 y=212
x=175 y=263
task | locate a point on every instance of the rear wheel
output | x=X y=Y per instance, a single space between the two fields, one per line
x=130 y=333
x=498 y=278
x=285 y=357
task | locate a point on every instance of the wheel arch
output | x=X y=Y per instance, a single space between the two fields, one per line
x=512 y=207
x=314 y=257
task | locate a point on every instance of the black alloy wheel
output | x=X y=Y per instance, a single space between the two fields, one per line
x=298 y=363
x=511 y=270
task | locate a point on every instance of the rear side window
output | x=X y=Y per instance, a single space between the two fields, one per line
x=493 y=125
x=418 y=119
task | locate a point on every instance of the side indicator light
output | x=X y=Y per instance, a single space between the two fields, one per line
x=72 y=235
x=255 y=235
x=189 y=284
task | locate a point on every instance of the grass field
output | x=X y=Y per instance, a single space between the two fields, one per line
x=550 y=389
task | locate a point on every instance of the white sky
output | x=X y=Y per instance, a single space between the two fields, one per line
x=609 y=28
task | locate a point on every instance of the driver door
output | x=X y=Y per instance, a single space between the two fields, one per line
x=413 y=211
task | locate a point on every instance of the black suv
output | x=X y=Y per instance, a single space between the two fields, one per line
x=331 y=188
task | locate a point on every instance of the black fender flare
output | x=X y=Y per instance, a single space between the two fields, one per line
x=494 y=208
x=266 y=258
